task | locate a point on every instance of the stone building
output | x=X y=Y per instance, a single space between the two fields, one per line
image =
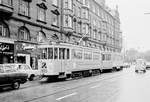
x=24 y=24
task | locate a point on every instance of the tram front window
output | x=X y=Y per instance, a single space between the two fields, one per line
x=50 y=53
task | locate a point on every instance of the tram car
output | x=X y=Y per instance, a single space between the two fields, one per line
x=66 y=60
x=112 y=61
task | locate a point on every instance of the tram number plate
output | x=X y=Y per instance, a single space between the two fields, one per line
x=44 y=70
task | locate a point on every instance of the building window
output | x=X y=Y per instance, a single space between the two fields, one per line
x=74 y=26
x=85 y=13
x=24 y=7
x=4 y=31
x=42 y=12
x=55 y=2
x=6 y=2
x=79 y=27
x=94 y=34
x=68 y=21
x=68 y=4
x=79 y=12
x=41 y=37
x=85 y=2
x=85 y=29
x=55 y=18
x=74 y=9
x=24 y=34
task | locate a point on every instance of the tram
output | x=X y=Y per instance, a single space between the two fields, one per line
x=66 y=60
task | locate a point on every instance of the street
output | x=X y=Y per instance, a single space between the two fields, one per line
x=122 y=86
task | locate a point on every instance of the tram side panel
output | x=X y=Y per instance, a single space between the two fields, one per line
x=117 y=60
x=107 y=63
x=49 y=68
x=83 y=61
x=85 y=65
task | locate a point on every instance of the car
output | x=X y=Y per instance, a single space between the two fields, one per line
x=147 y=65
x=140 y=65
x=11 y=77
x=126 y=65
x=24 y=68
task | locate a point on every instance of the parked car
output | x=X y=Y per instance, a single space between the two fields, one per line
x=24 y=68
x=11 y=77
x=126 y=65
x=147 y=65
x=140 y=65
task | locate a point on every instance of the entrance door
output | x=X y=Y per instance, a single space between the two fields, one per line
x=64 y=57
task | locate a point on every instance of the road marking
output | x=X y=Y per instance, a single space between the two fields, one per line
x=58 y=99
x=95 y=86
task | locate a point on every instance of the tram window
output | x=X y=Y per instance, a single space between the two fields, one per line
x=104 y=57
x=55 y=53
x=87 y=55
x=44 y=53
x=96 y=56
x=68 y=53
x=76 y=54
x=62 y=53
x=50 y=53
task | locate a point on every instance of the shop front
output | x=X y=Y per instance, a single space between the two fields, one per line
x=24 y=53
x=6 y=53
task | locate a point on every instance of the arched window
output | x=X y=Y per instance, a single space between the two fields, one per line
x=24 y=34
x=41 y=37
x=4 y=31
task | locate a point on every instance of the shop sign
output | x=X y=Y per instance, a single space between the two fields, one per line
x=24 y=46
x=5 y=47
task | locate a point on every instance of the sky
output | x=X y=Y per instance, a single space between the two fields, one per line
x=135 y=25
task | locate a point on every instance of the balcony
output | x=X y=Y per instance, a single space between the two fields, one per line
x=6 y=7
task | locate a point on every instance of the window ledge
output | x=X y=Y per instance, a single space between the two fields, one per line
x=24 y=15
x=55 y=6
x=41 y=21
x=55 y=26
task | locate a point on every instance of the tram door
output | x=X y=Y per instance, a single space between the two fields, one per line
x=62 y=59
x=64 y=55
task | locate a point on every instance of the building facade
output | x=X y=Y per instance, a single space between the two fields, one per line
x=24 y=24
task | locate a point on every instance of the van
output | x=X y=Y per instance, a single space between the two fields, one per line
x=140 y=65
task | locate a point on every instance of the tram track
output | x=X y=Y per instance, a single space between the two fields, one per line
x=45 y=82
x=42 y=83
x=72 y=88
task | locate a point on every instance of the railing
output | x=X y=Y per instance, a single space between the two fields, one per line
x=6 y=2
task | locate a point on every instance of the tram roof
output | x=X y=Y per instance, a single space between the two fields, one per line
x=66 y=45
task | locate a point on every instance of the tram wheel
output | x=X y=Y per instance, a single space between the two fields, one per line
x=114 y=69
x=52 y=78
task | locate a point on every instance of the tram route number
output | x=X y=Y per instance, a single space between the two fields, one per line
x=44 y=67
